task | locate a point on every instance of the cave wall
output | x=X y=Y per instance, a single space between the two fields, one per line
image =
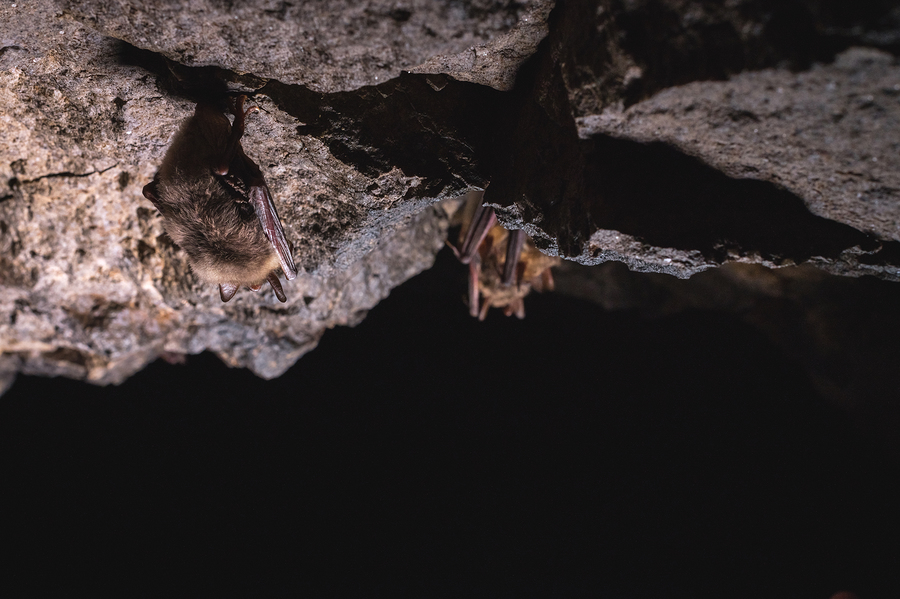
x=671 y=135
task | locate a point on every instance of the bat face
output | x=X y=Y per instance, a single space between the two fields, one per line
x=217 y=207
x=504 y=266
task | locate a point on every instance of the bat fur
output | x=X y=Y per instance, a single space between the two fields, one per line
x=217 y=207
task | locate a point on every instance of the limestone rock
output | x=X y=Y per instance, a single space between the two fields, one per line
x=650 y=132
x=497 y=62
x=613 y=154
x=90 y=286
x=324 y=45
x=823 y=134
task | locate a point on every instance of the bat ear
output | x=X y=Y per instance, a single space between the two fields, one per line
x=151 y=193
x=227 y=291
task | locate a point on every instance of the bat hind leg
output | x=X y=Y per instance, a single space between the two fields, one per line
x=237 y=132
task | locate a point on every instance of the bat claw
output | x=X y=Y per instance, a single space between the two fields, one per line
x=237 y=104
x=453 y=247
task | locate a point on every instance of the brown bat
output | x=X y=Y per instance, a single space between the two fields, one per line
x=504 y=266
x=217 y=207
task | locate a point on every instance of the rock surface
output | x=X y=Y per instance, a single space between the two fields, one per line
x=671 y=135
x=824 y=134
x=93 y=289
x=672 y=179
x=324 y=45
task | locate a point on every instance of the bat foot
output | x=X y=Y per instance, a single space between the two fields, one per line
x=276 y=287
x=237 y=108
x=236 y=105
x=227 y=291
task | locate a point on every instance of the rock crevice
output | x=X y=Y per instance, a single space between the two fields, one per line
x=672 y=136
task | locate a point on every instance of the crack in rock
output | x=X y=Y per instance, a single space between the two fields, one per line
x=586 y=149
x=14 y=182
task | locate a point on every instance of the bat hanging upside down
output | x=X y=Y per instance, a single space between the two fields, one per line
x=504 y=266
x=217 y=207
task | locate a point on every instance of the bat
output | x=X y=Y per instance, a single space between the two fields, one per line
x=217 y=207
x=504 y=266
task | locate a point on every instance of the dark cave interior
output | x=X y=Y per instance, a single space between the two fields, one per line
x=574 y=453
x=580 y=452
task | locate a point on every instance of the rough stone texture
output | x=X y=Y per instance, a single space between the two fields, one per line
x=497 y=62
x=325 y=45
x=93 y=289
x=627 y=134
x=825 y=134
x=622 y=191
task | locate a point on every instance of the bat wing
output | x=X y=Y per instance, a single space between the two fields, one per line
x=514 y=245
x=261 y=199
x=482 y=221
